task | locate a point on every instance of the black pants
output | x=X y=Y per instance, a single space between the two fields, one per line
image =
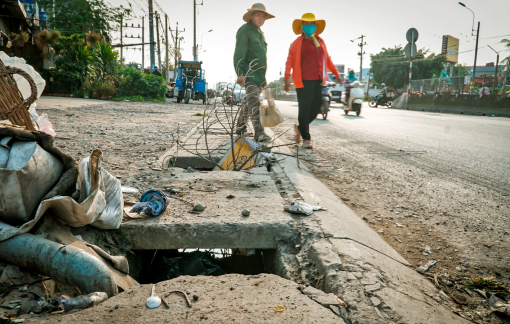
x=309 y=102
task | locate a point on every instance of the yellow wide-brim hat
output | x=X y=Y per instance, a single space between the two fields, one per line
x=320 y=24
x=254 y=8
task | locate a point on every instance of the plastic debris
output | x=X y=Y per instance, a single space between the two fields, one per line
x=153 y=203
x=190 y=169
x=498 y=305
x=298 y=207
x=84 y=301
x=127 y=189
x=426 y=266
x=44 y=124
x=153 y=301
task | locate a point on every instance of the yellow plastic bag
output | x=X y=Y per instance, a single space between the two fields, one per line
x=270 y=114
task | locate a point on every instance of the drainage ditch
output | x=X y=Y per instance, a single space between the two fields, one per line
x=152 y=266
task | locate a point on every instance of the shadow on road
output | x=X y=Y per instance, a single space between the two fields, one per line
x=352 y=116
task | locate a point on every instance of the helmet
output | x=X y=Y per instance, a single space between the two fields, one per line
x=383 y=85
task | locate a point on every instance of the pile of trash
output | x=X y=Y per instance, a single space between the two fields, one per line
x=44 y=268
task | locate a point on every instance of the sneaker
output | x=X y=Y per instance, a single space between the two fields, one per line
x=262 y=138
x=297 y=134
x=240 y=130
x=307 y=144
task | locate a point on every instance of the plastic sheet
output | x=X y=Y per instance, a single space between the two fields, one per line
x=298 y=207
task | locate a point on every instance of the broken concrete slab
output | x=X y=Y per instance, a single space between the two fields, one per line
x=221 y=224
x=228 y=298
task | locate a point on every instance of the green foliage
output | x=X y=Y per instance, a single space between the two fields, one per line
x=98 y=13
x=133 y=82
x=506 y=60
x=73 y=62
x=105 y=61
x=138 y=98
x=390 y=66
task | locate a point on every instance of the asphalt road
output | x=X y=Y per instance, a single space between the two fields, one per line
x=452 y=172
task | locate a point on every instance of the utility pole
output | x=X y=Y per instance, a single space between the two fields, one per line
x=361 y=44
x=476 y=54
x=195 y=56
x=177 y=47
x=151 y=34
x=166 y=41
x=143 y=46
x=121 y=47
x=496 y=71
x=157 y=35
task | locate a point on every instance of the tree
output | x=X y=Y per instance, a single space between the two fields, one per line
x=97 y=13
x=506 y=60
x=390 y=66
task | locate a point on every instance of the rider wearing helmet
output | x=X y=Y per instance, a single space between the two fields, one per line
x=384 y=91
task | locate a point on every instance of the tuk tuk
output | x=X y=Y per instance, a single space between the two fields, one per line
x=190 y=83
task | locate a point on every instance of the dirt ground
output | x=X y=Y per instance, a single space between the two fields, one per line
x=421 y=217
x=230 y=298
x=132 y=135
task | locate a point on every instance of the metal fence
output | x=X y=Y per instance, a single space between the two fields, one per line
x=455 y=85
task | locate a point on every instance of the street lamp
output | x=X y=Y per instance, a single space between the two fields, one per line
x=476 y=46
x=201 y=37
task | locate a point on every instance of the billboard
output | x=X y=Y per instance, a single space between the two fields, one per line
x=450 y=48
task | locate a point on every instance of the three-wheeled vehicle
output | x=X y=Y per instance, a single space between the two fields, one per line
x=190 y=83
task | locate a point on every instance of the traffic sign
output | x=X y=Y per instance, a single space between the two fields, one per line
x=407 y=50
x=412 y=33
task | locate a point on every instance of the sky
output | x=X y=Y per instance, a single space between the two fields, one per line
x=384 y=23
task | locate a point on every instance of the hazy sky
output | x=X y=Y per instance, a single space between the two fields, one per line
x=384 y=23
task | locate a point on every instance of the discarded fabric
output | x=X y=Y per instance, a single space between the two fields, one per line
x=426 y=267
x=298 y=207
x=153 y=203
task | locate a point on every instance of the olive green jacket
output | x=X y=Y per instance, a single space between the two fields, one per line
x=251 y=47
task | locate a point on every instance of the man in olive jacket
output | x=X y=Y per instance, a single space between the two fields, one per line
x=250 y=64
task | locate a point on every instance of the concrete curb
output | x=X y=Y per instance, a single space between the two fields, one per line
x=358 y=266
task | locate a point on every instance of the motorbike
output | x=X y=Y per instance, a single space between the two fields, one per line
x=355 y=99
x=380 y=100
x=326 y=99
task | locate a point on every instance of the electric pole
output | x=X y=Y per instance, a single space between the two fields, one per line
x=143 y=44
x=476 y=53
x=361 y=44
x=195 y=56
x=151 y=34
x=121 y=47
x=157 y=35
x=166 y=54
x=177 y=47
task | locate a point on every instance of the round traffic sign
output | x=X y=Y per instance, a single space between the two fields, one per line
x=412 y=33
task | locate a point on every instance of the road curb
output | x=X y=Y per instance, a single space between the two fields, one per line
x=357 y=265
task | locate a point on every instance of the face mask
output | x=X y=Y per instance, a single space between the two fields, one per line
x=309 y=29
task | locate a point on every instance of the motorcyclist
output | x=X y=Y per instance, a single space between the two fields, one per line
x=384 y=92
x=350 y=79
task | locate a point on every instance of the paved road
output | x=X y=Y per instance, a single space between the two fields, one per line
x=476 y=146
x=453 y=171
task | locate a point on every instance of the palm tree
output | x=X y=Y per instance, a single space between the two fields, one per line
x=506 y=60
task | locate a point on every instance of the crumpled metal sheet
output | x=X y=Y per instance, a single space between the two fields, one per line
x=100 y=202
x=299 y=207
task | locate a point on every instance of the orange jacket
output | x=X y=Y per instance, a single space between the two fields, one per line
x=294 y=63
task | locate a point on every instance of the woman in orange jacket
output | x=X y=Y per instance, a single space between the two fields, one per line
x=308 y=59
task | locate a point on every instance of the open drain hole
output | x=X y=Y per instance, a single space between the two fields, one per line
x=152 y=266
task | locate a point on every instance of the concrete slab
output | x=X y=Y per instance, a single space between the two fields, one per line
x=229 y=298
x=221 y=224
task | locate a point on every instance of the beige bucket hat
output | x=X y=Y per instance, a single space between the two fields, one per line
x=256 y=7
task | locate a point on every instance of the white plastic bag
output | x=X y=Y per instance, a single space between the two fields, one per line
x=270 y=114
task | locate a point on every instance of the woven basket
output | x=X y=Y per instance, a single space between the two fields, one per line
x=12 y=105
